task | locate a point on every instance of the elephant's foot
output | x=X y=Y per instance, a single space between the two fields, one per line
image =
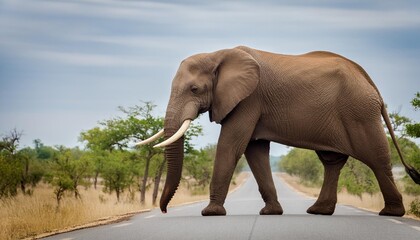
x=322 y=208
x=396 y=210
x=272 y=209
x=213 y=210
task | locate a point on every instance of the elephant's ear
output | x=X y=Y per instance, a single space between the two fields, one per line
x=237 y=76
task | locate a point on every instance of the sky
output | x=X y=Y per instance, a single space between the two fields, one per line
x=67 y=64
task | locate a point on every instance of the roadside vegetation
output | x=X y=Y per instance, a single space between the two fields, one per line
x=357 y=184
x=45 y=188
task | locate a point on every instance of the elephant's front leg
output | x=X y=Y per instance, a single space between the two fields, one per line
x=224 y=166
x=257 y=155
x=233 y=140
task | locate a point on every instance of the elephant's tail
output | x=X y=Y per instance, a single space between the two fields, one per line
x=413 y=173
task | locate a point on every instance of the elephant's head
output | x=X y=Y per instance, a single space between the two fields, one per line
x=214 y=82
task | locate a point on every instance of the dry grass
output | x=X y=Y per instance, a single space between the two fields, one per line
x=26 y=216
x=370 y=202
x=29 y=216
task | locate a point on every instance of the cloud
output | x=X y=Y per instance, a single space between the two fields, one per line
x=143 y=25
x=38 y=36
x=94 y=60
x=230 y=12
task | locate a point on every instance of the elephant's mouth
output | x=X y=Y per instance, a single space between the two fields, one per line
x=203 y=110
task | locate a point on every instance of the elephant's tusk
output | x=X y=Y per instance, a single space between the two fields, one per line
x=176 y=136
x=151 y=139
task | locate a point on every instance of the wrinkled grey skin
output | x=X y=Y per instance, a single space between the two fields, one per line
x=319 y=101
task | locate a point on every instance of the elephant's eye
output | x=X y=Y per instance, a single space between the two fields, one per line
x=194 y=89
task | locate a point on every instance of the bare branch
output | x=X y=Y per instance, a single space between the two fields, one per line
x=10 y=142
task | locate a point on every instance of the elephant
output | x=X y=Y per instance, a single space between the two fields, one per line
x=319 y=101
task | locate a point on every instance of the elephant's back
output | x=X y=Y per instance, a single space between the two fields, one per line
x=320 y=79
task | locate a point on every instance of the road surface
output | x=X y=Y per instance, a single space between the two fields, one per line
x=243 y=222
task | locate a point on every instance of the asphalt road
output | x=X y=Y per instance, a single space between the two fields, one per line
x=243 y=222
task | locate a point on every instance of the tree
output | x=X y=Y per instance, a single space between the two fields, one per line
x=120 y=133
x=413 y=129
x=9 y=176
x=398 y=123
x=408 y=148
x=68 y=170
x=98 y=159
x=116 y=172
x=411 y=187
x=43 y=152
x=10 y=142
x=18 y=167
x=139 y=123
x=405 y=125
x=10 y=164
x=31 y=169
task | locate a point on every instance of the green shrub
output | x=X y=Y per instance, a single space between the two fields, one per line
x=357 y=178
x=304 y=164
x=415 y=207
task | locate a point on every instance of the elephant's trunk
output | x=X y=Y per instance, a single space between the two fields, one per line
x=174 y=155
x=178 y=117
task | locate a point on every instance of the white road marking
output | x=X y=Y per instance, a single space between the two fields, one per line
x=122 y=225
x=416 y=228
x=67 y=239
x=150 y=216
x=394 y=221
x=370 y=214
x=358 y=210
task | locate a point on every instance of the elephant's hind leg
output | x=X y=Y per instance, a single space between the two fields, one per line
x=257 y=155
x=393 y=199
x=376 y=155
x=333 y=162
